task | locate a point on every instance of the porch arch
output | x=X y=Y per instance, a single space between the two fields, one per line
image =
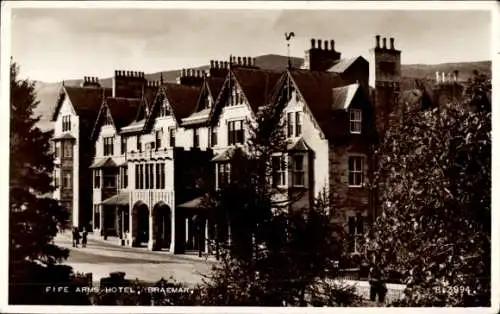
x=140 y=224
x=162 y=226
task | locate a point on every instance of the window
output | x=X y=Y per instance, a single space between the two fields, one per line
x=141 y=177
x=157 y=173
x=298 y=170
x=235 y=132
x=147 y=177
x=298 y=124
x=289 y=124
x=137 y=179
x=162 y=176
x=171 y=135
x=158 y=136
x=97 y=217
x=123 y=145
x=138 y=144
x=356 y=228
x=109 y=178
x=164 y=108
x=213 y=136
x=196 y=138
x=67 y=180
x=279 y=171
x=108 y=145
x=97 y=178
x=355 y=121
x=66 y=123
x=123 y=177
x=223 y=174
x=67 y=148
x=356 y=171
x=107 y=118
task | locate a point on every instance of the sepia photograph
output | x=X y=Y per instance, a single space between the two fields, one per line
x=169 y=155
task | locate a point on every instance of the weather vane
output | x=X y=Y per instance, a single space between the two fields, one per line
x=289 y=36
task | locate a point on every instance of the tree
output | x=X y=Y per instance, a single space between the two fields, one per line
x=274 y=254
x=434 y=183
x=35 y=218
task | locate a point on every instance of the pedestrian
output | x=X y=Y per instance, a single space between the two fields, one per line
x=374 y=281
x=76 y=236
x=84 y=237
x=382 y=289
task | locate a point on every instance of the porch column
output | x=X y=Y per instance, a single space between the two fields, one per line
x=122 y=213
x=186 y=241
x=207 y=240
x=130 y=221
x=151 y=236
x=172 y=229
x=101 y=219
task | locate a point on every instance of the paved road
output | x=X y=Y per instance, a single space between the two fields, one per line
x=102 y=257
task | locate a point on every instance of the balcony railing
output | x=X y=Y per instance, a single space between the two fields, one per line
x=162 y=153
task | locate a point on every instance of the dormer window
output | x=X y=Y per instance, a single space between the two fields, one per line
x=164 y=109
x=355 y=121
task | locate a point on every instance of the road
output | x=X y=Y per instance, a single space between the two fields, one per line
x=102 y=257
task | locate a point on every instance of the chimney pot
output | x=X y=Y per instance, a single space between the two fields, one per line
x=239 y=60
x=455 y=77
x=384 y=43
x=392 y=43
x=443 y=78
x=211 y=64
x=437 y=77
x=319 y=43
x=253 y=61
x=377 y=41
x=332 y=45
x=313 y=43
x=326 y=44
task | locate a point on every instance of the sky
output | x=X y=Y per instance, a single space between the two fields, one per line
x=53 y=44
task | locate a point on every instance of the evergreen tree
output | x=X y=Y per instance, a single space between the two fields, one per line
x=35 y=218
x=434 y=180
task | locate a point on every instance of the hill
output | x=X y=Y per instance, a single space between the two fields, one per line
x=48 y=92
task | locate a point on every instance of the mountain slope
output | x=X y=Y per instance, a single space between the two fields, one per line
x=48 y=92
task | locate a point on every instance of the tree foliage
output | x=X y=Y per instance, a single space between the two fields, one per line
x=276 y=253
x=35 y=218
x=434 y=183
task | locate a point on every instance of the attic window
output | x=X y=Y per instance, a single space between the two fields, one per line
x=66 y=123
x=107 y=118
x=164 y=110
x=355 y=121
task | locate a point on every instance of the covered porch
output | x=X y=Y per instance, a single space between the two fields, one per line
x=196 y=229
x=114 y=217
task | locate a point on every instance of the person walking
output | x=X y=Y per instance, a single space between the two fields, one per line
x=76 y=237
x=84 y=237
x=374 y=281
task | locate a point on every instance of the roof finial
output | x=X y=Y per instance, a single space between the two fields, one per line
x=289 y=36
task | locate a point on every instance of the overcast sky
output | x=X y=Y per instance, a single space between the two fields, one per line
x=56 y=44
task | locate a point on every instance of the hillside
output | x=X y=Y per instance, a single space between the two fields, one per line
x=48 y=92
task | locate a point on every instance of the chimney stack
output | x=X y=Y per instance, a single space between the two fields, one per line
x=377 y=41
x=332 y=45
x=384 y=42
x=392 y=43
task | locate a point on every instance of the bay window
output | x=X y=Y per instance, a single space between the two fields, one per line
x=235 y=132
x=298 y=171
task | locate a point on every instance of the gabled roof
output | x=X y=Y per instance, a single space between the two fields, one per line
x=298 y=145
x=316 y=88
x=104 y=163
x=215 y=86
x=134 y=127
x=122 y=198
x=256 y=84
x=343 y=96
x=211 y=86
x=181 y=98
x=85 y=100
x=197 y=117
x=228 y=154
x=343 y=64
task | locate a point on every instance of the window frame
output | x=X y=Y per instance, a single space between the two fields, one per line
x=67 y=149
x=296 y=171
x=171 y=136
x=233 y=133
x=279 y=174
x=66 y=123
x=196 y=137
x=355 y=121
x=108 y=145
x=123 y=145
x=97 y=179
x=360 y=172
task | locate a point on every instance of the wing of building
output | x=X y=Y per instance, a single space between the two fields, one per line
x=138 y=158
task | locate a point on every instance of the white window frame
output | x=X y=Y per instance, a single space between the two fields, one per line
x=355 y=121
x=295 y=171
x=356 y=171
x=281 y=172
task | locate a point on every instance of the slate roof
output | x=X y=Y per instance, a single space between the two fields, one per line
x=316 y=88
x=228 y=154
x=215 y=85
x=85 y=100
x=343 y=64
x=64 y=136
x=343 y=96
x=257 y=84
x=104 y=163
x=123 y=110
x=197 y=117
x=121 y=198
x=135 y=126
